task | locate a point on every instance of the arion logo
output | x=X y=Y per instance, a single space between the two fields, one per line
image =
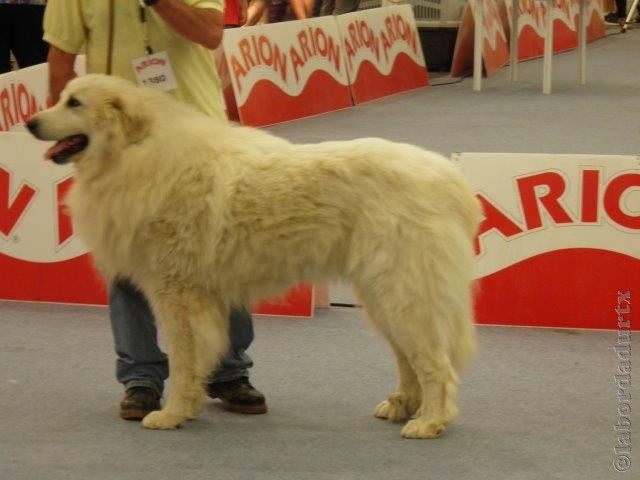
x=539 y=203
x=34 y=224
x=541 y=194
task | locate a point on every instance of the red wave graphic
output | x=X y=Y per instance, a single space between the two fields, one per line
x=571 y=288
x=564 y=37
x=371 y=84
x=463 y=51
x=76 y=281
x=462 y=61
x=530 y=44
x=296 y=302
x=70 y=281
x=595 y=27
x=495 y=58
x=268 y=104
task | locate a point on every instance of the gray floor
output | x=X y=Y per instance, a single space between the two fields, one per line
x=537 y=404
x=601 y=117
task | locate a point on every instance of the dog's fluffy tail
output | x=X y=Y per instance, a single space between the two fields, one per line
x=464 y=346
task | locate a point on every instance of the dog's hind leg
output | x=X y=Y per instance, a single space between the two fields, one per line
x=406 y=399
x=422 y=303
x=427 y=382
x=439 y=383
x=195 y=328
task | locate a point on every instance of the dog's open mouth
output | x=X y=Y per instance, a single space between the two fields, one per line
x=66 y=148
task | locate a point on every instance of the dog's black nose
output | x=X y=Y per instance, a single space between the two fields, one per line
x=32 y=125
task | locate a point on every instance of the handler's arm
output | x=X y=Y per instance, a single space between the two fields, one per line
x=200 y=25
x=60 y=71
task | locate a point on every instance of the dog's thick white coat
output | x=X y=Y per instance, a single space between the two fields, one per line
x=202 y=216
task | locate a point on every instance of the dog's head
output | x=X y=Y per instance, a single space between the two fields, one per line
x=94 y=112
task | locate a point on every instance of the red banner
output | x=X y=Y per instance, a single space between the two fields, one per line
x=559 y=238
x=287 y=70
x=495 y=48
x=41 y=258
x=383 y=52
x=532 y=24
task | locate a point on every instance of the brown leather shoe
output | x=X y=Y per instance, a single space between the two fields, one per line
x=238 y=396
x=138 y=402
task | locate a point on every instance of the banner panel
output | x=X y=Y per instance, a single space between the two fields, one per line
x=383 y=52
x=41 y=258
x=287 y=70
x=532 y=22
x=559 y=237
x=495 y=48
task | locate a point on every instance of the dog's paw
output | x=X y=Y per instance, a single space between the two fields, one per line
x=423 y=428
x=194 y=409
x=393 y=409
x=161 y=420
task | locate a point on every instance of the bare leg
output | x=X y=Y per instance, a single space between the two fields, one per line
x=299 y=9
x=255 y=11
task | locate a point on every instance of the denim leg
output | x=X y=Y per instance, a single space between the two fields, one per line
x=140 y=360
x=237 y=362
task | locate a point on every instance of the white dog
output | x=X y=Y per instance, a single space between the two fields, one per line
x=202 y=216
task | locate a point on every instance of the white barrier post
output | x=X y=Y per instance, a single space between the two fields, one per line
x=548 y=49
x=477 y=46
x=632 y=12
x=513 y=42
x=582 y=44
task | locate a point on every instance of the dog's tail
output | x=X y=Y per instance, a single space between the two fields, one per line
x=470 y=210
x=464 y=346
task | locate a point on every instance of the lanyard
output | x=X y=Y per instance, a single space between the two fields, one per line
x=110 y=40
x=145 y=27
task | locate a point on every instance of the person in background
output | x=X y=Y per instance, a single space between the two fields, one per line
x=278 y=10
x=186 y=30
x=255 y=11
x=620 y=15
x=338 y=7
x=21 y=33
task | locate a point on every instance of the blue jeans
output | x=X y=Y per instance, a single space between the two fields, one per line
x=140 y=360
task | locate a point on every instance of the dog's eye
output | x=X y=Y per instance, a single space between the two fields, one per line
x=73 y=102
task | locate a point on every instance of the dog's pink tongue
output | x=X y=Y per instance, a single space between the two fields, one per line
x=60 y=146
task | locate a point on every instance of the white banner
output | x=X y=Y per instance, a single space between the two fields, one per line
x=285 y=54
x=23 y=93
x=537 y=203
x=379 y=35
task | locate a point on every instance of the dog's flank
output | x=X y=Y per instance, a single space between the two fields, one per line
x=202 y=215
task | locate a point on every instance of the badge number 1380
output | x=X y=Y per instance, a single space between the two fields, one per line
x=155 y=71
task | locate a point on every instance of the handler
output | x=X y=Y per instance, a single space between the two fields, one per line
x=119 y=36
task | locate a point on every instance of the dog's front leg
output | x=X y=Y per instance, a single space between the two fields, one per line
x=196 y=330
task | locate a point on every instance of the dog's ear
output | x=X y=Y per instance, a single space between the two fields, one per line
x=132 y=119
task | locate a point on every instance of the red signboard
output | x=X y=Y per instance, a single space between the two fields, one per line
x=559 y=238
x=532 y=22
x=41 y=258
x=495 y=48
x=287 y=70
x=383 y=52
